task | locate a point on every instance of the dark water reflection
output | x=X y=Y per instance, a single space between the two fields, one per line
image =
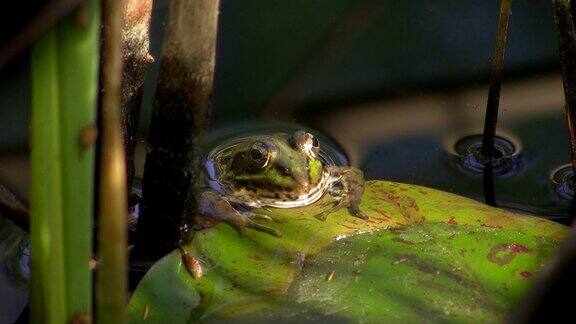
x=413 y=139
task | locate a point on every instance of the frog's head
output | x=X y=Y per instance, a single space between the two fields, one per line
x=274 y=166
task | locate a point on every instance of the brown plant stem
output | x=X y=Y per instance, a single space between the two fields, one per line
x=136 y=60
x=493 y=102
x=179 y=120
x=567 y=49
x=111 y=280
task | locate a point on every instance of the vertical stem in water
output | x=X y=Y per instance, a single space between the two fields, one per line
x=47 y=282
x=179 y=121
x=64 y=89
x=567 y=50
x=136 y=60
x=493 y=102
x=78 y=58
x=111 y=280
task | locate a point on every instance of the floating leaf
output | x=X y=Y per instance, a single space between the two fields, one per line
x=423 y=255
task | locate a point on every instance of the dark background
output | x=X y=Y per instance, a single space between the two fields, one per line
x=395 y=83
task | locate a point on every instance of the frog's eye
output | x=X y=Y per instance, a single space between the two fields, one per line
x=259 y=155
x=256 y=154
x=305 y=142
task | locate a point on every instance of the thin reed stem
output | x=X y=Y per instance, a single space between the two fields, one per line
x=111 y=279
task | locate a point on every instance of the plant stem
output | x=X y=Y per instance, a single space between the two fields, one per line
x=64 y=87
x=488 y=184
x=493 y=102
x=567 y=49
x=78 y=57
x=47 y=298
x=136 y=60
x=111 y=280
x=179 y=122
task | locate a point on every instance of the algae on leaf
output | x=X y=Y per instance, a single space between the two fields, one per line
x=424 y=255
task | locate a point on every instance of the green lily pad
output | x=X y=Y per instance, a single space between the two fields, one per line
x=424 y=255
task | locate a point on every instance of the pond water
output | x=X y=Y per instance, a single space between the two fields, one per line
x=423 y=139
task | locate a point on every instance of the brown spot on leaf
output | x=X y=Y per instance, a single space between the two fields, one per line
x=518 y=248
x=502 y=254
x=406 y=205
x=452 y=221
x=526 y=274
x=382 y=213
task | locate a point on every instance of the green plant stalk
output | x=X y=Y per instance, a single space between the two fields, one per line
x=64 y=91
x=78 y=57
x=47 y=298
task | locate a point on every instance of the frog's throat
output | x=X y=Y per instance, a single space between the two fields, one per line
x=303 y=200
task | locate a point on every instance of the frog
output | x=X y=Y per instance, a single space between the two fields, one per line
x=277 y=170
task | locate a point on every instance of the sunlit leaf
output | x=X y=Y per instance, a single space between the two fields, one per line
x=423 y=255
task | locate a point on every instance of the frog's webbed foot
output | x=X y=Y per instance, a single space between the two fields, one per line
x=356 y=212
x=260 y=216
x=217 y=207
x=249 y=221
x=241 y=221
x=349 y=188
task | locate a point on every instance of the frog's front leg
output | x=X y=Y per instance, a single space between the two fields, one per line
x=347 y=190
x=215 y=206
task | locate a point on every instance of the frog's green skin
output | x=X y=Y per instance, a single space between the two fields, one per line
x=278 y=170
